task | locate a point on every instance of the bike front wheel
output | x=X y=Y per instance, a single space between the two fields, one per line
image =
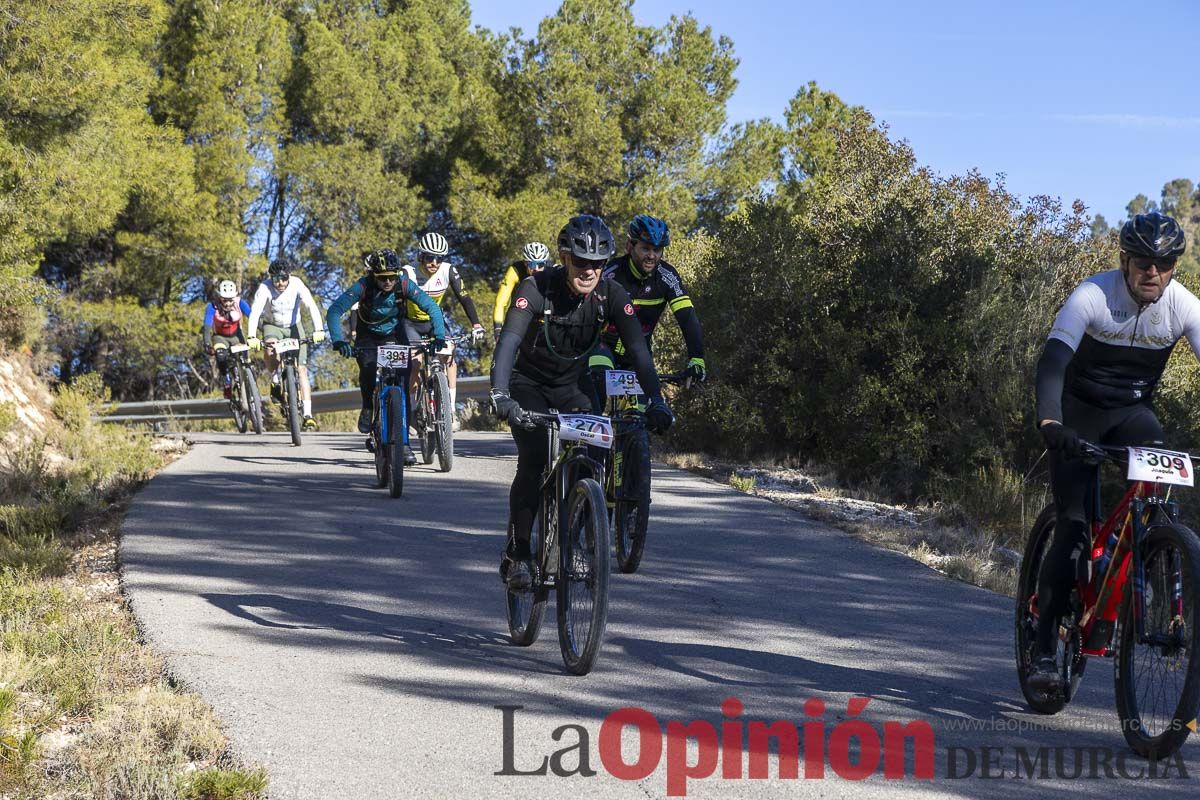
x=423 y=422
x=395 y=443
x=1157 y=678
x=292 y=404
x=582 y=584
x=252 y=397
x=631 y=509
x=443 y=419
x=237 y=403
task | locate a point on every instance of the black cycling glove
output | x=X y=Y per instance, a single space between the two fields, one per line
x=1061 y=438
x=659 y=418
x=506 y=408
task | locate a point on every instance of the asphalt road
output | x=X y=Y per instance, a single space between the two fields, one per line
x=356 y=645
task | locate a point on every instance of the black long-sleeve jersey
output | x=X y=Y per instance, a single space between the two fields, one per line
x=549 y=332
x=651 y=294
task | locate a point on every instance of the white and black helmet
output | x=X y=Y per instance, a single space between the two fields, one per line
x=434 y=244
x=535 y=252
x=227 y=290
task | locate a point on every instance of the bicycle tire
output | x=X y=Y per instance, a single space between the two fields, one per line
x=631 y=506
x=526 y=609
x=292 y=404
x=582 y=585
x=376 y=440
x=1169 y=552
x=443 y=417
x=253 y=397
x=423 y=423
x=395 y=443
x=237 y=404
x=1025 y=633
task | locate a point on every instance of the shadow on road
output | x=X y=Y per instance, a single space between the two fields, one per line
x=736 y=597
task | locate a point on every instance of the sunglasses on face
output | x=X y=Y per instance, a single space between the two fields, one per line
x=427 y=258
x=388 y=278
x=1144 y=263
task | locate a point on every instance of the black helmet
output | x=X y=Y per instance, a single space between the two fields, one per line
x=1153 y=235
x=382 y=263
x=587 y=236
x=651 y=230
x=281 y=267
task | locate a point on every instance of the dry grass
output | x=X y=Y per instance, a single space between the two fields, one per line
x=86 y=709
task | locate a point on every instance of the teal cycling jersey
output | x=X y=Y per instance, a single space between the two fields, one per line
x=382 y=313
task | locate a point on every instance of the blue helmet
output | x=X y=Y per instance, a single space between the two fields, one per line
x=651 y=230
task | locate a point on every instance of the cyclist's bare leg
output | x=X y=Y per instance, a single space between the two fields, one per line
x=305 y=391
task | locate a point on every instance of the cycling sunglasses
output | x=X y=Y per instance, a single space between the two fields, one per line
x=1144 y=263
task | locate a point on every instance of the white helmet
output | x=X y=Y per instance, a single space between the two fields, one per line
x=535 y=251
x=434 y=243
x=227 y=290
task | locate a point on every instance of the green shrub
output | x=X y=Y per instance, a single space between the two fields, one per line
x=883 y=321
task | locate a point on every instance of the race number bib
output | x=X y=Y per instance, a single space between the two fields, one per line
x=621 y=383
x=586 y=428
x=287 y=345
x=1160 y=466
x=239 y=348
x=392 y=356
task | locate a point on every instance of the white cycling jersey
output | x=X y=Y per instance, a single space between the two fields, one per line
x=1121 y=348
x=282 y=308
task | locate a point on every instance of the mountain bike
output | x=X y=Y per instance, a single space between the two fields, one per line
x=433 y=413
x=569 y=542
x=389 y=416
x=245 y=402
x=288 y=351
x=1139 y=602
x=627 y=478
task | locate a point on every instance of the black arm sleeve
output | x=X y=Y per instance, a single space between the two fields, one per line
x=1051 y=375
x=620 y=311
x=516 y=324
x=456 y=286
x=689 y=324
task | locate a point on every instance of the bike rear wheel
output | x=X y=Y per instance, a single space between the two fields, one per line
x=443 y=418
x=1158 y=683
x=252 y=397
x=1025 y=637
x=292 y=402
x=631 y=509
x=395 y=442
x=526 y=609
x=583 y=577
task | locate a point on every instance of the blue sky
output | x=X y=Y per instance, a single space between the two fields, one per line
x=1091 y=100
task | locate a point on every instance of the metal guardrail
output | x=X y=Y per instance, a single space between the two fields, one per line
x=323 y=401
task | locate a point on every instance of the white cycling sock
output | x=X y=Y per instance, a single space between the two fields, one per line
x=308 y=407
x=453 y=396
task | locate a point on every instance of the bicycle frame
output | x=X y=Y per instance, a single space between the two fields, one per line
x=1102 y=595
x=391 y=379
x=556 y=481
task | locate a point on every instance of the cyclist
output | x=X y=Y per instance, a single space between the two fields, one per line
x=554 y=322
x=380 y=298
x=439 y=275
x=535 y=257
x=277 y=303
x=1095 y=381
x=654 y=285
x=223 y=328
